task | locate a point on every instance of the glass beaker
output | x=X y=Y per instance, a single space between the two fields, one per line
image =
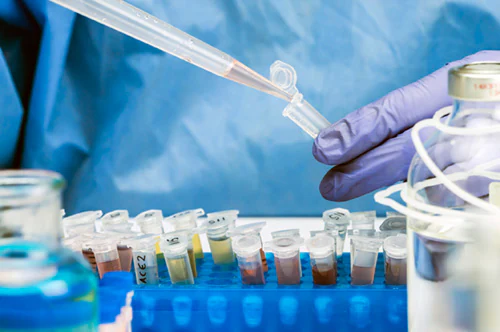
x=33 y=261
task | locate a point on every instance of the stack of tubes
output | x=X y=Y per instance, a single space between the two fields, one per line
x=116 y=242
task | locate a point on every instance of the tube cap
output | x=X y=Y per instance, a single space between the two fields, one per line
x=141 y=242
x=217 y=223
x=478 y=81
x=336 y=217
x=299 y=111
x=185 y=219
x=253 y=228
x=150 y=219
x=394 y=224
x=320 y=244
x=174 y=242
x=395 y=246
x=88 y=217
x=115 y=217
x=285 y=244
x=229 y=215
x=246 y=245
x=293 y=232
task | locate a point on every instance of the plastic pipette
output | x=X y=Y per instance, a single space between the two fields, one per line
x=123 y=17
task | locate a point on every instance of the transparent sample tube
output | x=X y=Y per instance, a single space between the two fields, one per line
x=144 y=257
x=187 y=220
x=293 y=232
x=81 y=223
x=220 y=243
x=106 y=255
x=88 y=254
x=188 y=235
x=248 y=248
x=253 y=228
x=323 y=259
x=124 y=249
x=299 y=111
x=287 y=259
x=364 y=259
x=150 y=222
x=177 y=259
x=337 y=220
x=395 y=259
x=230 y=215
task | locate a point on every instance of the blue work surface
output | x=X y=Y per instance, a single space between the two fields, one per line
x=218 y=300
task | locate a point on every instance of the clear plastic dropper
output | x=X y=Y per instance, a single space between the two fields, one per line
x=140 y=25
x=123 y=17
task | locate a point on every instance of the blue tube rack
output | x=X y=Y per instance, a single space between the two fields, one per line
x=218 y=301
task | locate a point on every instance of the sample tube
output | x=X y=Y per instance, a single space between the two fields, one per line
x=124 y=249
x=337 y=220
x=174 y=236
x=287 y=259
x=144 y=257
x=106 y=255
x=293 y=232
x=364 y=259
x=81 y=223
x=357 y=233
x=187 y=220
x=248 y=248
x=323 y=259
x=253 y=228
x=220 y=243
x=150 y=222
x=177 y=259
x=88 y=254
x=395 y=259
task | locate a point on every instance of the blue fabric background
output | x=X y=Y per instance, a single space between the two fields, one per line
x=131 y=127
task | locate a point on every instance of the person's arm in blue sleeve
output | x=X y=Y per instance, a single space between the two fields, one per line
x=371 y=148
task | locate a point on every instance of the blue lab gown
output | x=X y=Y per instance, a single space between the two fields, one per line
x=131 y=127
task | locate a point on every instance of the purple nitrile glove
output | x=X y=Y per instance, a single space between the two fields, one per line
x=372 y=146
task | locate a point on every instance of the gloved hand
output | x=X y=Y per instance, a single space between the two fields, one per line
x=372 y=147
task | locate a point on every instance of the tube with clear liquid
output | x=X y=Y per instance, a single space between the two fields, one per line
x=144 y=257
x=123 y=17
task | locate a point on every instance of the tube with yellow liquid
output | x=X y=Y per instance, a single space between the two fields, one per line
x=220 y=243
x=186 y=220
x=175 y=250
x=188 y=234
